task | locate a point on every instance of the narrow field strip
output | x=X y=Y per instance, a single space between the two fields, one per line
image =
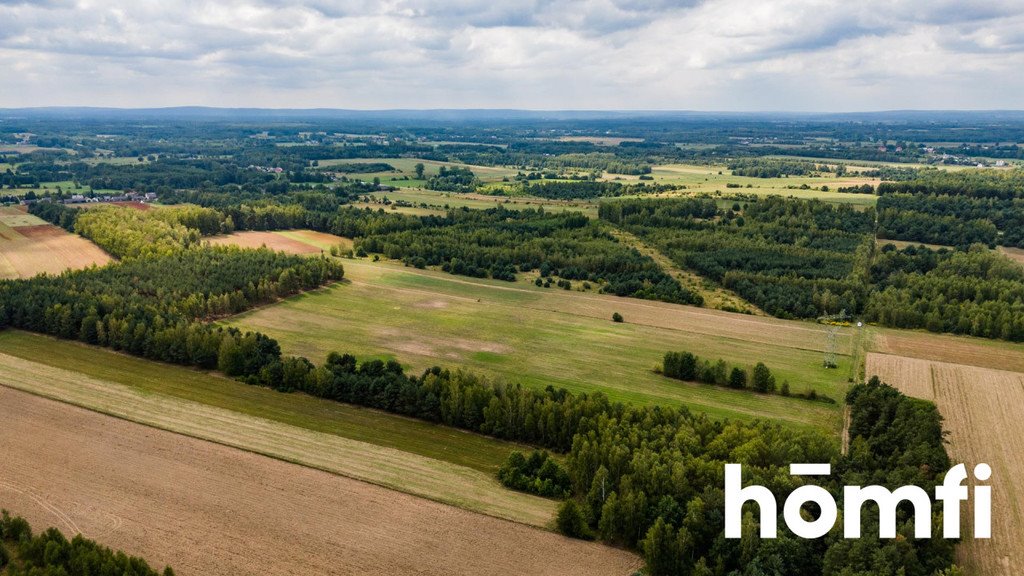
x=391 y=468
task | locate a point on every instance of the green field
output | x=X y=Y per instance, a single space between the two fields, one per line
x=438 y=202
x=542 y=337
x=67 y=187
x=712 y=179
x=365 y=425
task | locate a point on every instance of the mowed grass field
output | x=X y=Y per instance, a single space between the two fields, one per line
x=712 y=179
x=426 y=460
x=31 y=246
x=542 y=337
x=982 y=409
x=207 y=509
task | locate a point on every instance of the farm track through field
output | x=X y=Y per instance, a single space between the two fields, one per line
x=211 y=510
x=982 y=411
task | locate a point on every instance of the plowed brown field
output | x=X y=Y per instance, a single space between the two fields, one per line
x=211 y=510
x=983 y=410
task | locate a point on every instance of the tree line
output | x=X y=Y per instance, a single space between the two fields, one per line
x=689 y=367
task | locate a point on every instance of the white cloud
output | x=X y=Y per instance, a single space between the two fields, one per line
x=684 y=54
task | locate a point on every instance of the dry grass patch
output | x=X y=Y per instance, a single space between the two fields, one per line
x=1016 y=254
x=289 y=241
x=213 y=510
x=982 y=409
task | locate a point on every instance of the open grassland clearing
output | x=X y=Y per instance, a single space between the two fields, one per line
x=422 y=476
x=542 y=337
x=207 y=509
x=333 y=418
x=711 y=179
x=439 y=202
x=67 y=187
x=901 y=244
x=714 y=296
x=290 y=241
x=600 y=140
x=29 y=246
x=407 y=167
x=982 y=410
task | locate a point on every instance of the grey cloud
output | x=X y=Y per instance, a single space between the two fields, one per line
x=534 y=53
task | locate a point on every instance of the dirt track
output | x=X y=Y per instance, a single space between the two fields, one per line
x=209 y=509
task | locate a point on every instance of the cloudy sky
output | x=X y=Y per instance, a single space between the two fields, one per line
x=800 y=55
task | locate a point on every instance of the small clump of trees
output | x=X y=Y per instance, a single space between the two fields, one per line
x=692 y=368
x=537 y=473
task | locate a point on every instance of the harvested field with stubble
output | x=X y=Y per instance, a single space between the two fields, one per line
x=980 y=352
x=431 y=478
x=29 y=246
x=982 y=409
x=289 y=241
x=207 y=509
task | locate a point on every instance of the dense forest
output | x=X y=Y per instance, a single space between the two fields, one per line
x=791 y=258
x=975 y=292
x=772 y=168
x=500 y=243
x=588 y=189
x=49 y=553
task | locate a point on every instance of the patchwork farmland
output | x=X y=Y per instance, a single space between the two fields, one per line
x=162 y=495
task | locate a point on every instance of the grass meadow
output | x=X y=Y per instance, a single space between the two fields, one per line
x=540 y=337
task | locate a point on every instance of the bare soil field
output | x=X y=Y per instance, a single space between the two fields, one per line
x=32 y=249
x=209 y=509
x=290 y=241
x=983 y=409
